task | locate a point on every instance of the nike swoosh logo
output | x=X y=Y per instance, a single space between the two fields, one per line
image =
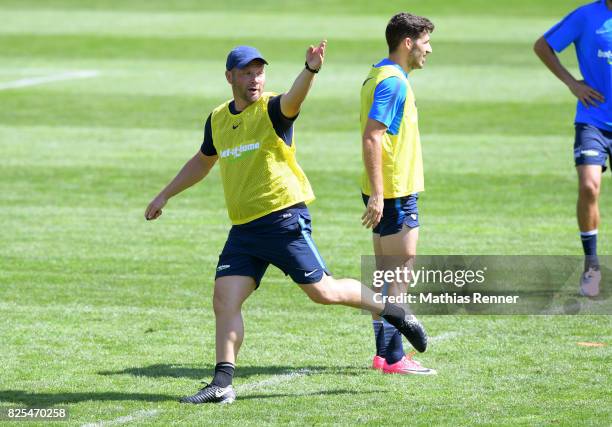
x=604 y=31
x=236 y=126
x=223 y=391
x=311 y=273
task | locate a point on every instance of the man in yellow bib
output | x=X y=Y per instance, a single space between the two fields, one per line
x=266 y=191
x=393 y=169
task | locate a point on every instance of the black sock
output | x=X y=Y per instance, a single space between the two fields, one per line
x=589 y=245
x=224 y=373
x=394 y=349
x=394 y=314
x=379 y=337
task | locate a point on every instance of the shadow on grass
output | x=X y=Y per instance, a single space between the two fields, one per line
x=46 y=399
x=28 y=399
x=185 y=371
x=49 y=399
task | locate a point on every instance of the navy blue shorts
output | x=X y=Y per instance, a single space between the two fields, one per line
x=281 y=238
x=396 y=213
x=592 y=145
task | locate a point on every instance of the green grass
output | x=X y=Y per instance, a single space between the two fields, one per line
x=111 y=316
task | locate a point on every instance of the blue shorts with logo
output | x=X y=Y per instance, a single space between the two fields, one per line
x=281 y=238
x=592 y=145
x=396 y=213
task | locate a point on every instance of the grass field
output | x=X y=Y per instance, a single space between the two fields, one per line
x=111 y=316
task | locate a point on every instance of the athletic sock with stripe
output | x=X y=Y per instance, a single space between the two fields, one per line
x=224 y=373
x=589 y=245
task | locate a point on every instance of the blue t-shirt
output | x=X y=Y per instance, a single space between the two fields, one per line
x=389 y=99
x=590 y=29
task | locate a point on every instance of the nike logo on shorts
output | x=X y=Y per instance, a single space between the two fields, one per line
x=311 y=273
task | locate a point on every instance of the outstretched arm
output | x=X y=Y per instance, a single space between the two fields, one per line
x=586 y=94
x=291 y=102
x=193 y=172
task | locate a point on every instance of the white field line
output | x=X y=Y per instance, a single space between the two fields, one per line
x=136 y=416
x=33 y=81
x=140 y=415
x=277 y=379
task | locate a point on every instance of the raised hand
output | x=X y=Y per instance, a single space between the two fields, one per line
x=315 y=55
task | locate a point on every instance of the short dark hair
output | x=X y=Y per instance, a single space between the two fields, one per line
x=404 y=25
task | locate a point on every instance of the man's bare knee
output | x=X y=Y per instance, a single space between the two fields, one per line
x=230 y=293
x=221 y=303
x=589 y=190
x=322 y=293
x=321 y=297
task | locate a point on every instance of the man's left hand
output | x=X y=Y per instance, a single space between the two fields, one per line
x=315 y=55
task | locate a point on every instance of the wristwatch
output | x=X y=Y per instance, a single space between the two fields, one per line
x=310 y=69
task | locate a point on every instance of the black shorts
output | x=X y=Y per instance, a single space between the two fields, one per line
x=282 y=238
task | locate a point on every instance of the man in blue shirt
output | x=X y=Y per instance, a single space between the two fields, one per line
x=589 y=28
x=393 y=171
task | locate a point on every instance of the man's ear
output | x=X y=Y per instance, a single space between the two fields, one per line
x=408 y=43
x=228 y=76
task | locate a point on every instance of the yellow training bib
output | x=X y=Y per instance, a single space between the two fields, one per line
x=402 y=161
x=259 y=171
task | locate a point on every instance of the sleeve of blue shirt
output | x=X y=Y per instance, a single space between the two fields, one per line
x=387 y=101
x=565 y=32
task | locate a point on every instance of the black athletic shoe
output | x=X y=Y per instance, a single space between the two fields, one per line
x=414 y=332
x=212 y=394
